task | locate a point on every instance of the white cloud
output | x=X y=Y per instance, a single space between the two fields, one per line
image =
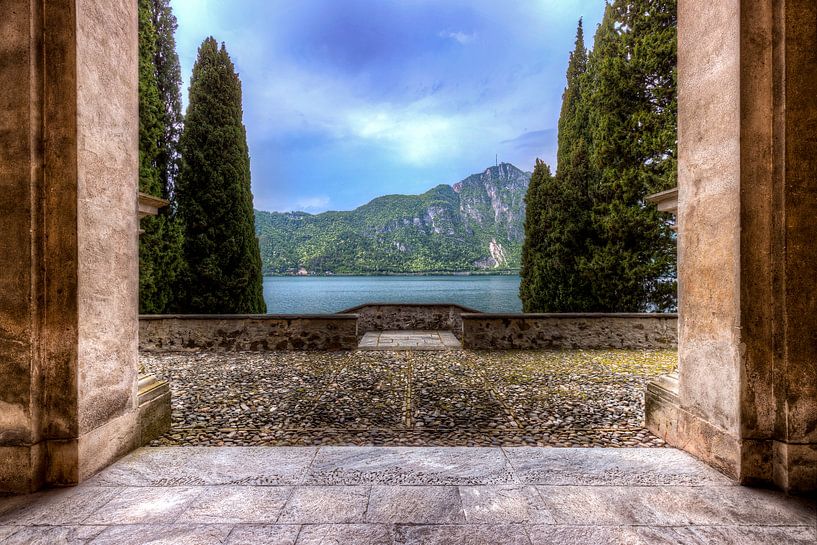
x=460 y=37
x=312 y=204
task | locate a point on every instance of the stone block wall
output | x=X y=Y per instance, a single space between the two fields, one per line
x=527 y=331
x=401 y=317
x=248 y=332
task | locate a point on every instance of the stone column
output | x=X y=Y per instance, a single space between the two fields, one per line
x=746 y=396
x=68 y=280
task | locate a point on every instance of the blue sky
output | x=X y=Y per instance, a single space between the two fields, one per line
x=346 y=100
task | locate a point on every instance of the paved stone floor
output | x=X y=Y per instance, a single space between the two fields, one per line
x=444 y=398
x=409 y=340
x=371 y=495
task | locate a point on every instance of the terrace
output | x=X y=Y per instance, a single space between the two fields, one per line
x=742 y=406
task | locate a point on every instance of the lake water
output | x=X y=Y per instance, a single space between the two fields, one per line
x=330 y=294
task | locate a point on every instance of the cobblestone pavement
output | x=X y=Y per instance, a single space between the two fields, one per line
x=407 y=496
x=577 y=398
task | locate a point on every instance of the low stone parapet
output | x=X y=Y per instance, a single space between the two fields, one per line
x=248 y=332
x=409 y=317
x=525 y=331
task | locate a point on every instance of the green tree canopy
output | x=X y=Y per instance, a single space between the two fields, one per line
x=160 y=245
x=214 y=195
x=633 y=117
x=595 y=243
x=558 y=208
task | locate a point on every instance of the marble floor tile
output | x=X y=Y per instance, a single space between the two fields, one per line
x=409 y=466
x=142 y=505
x=342 y=534
x=504 y=504
x=604 y=466
x=160 y=534
x=462 y=535
x=236 y=504
x=415 y=505
x=264 y=534
x=325 y=504
x=53 y=535
x=198 y=466
x=62 y=506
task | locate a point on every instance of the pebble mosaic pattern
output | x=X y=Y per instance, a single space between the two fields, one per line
x=571 y=398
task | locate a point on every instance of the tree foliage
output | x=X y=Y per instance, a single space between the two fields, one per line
x=214 y=194
x=160 y=248
x=168 y=83
x=596 y=245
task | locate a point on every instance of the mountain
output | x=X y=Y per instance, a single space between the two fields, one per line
x=476 y=224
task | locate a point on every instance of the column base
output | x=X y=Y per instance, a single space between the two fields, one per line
x=154 y=408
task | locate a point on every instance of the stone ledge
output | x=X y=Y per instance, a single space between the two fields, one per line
x=232 y=333
x=154 y=408
x=567 y=315
x=569 y=331
x=270 y=317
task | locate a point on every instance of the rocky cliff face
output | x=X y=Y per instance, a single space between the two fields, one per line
x=476 y=224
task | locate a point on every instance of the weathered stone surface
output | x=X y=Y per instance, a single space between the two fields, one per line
x=267 y=534
x=62 y=507
x=247 y=333
x=673 y=506
x=407 y=316
x=182 y=534
x=409 y=466
x=463 y=535
x=141 y=505
x=236 y=504
x=359 y=534
x=697 y=535
x=68 y=286
x=209 y=466
x=326 y=504
x=415 y=505
x=747 y=106
x=526 y=331
x=637 y=511
x=415 y=340
x=154 y=408
x=503 y=504
x=602 y=466
x=50 y=535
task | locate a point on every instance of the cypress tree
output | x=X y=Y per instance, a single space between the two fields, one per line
x=214 y=195
x=531 y=288
x=150 y=106
x=633 y=118
x=169 y=83
x=557 y=216
x=160 y=245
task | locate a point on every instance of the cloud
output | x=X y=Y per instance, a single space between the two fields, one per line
x=460 y=37
x=354 y=99
x=313 y=204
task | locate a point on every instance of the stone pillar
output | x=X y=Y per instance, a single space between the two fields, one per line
x=68 y=280
x=746 y=395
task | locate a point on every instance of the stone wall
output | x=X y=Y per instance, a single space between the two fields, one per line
x=401 y=317
x=248 y=332
x=524 y=331
x=69 y=133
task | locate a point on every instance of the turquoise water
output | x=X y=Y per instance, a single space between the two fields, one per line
x=328 y=294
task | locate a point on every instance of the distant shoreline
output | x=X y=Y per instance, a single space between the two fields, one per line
x=504 y=272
